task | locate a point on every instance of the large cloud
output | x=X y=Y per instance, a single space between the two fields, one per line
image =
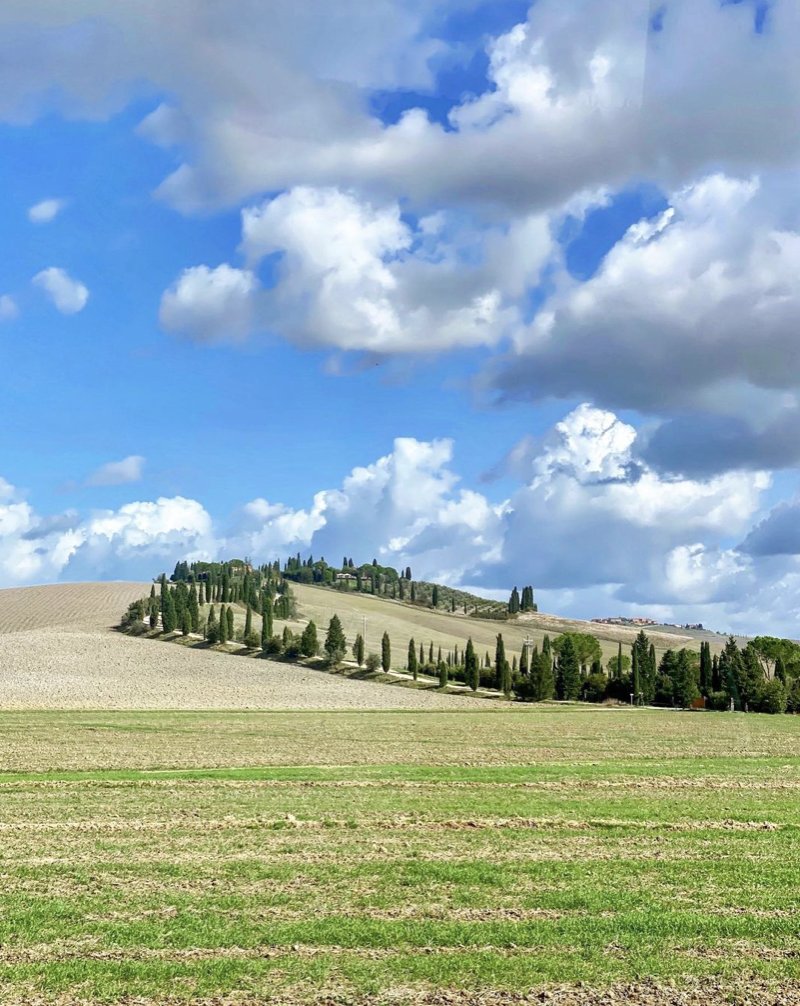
x=578 y=95
x=68 y=295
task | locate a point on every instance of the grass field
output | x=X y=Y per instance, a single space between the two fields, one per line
x=490 y=856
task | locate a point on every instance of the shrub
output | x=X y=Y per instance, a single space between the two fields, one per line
x=252 y=640
x=720 y=701
x=793 y=699
x=138 y=628
x=594 y=688
x=274 y=646
x=372 y=662
x=772 y=698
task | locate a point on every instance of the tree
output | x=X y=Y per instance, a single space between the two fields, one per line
x=229 y=616
x=193 y=607
x=358 y=650
x=585 y=647
x=386 y=653
x=499 y=661
x=412 y=658
x=471 y=670
x=780 y=670
x=168 y=617
x=248 y=622
x=435 y=596
x=730 y=661
x=513 y=602
x=222 y=634
x=430 y=652
x=309 y=644
x=266 y=620
x=442 y=667
x=684 y=680
x=335 y=642
x=523 y=661
x=186 y=622
x=212 y=631
x=705 y=668
x=421 y=654
x=636 y=683
x=542 y=683
x=645 y=668
x=568 y=684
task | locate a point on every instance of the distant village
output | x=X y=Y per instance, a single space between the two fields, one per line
x=639 y=622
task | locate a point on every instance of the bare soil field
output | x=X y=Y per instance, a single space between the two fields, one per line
x=58 y=651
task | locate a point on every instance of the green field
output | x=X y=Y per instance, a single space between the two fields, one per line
x=398 y=857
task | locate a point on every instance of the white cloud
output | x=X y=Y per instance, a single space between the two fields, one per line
x=357 y=276
x=8 y=308
x=46 y=211
x=67 y=294
x=118 y=473
x=211 y=304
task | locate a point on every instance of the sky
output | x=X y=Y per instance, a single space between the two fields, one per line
x=504 y=291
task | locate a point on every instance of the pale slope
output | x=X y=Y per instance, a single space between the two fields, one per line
x=57 y=651
x=404 y=621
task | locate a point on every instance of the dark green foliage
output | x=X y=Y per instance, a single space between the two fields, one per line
x=372 y=662
x=780 y=670
x=585 y=647
x=229 y=617
x=212 y=629
x=193 y=607
x=386 y=652
x=499 y=662
x=412 y=658
x=705 y=668
x=772 y=698
x=568 y=682
x=435 y=596
x=636 y=682
x=309 y=644
x=471 y=669
x=523 y=662
x=358 y=650
x=593 y=688
x=335 y=642
x=168 y=617
x=222 y=633
x=684 y=680
x=248 y=621
x=513 y=602
x=442 y=669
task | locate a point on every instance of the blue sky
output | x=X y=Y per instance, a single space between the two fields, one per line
x=548 y=247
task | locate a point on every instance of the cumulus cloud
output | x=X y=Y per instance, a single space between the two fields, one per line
x=353 y=275
x=68 y=295
x=211 y=305
x=46 y=210
x=118 y=473
x=8 y=308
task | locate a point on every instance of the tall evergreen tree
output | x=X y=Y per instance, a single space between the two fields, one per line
x=499 y=662
x=684 y=680
x=386 y=653
x=716 y=676
x=335 y=642
x=229 y=616
x=193 y=607
x=186 y=622
x=568 y=684
x=542 y=681
x=412 y=658
x=248 y=622
x=442 y=667
x=358 y=650
x=168 y=617
x=430 y=652
x=421 y=654
x=523 y=660
x=471 y=669
x=435 y=596
x=309 y=644
x=636 y=682
x=705 y=668
x=223 y=625
x=780 y=670
x=513 y=602
x=212 y=630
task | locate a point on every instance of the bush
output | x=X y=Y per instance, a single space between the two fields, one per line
x=665 y=691
x=373 y=662
x=274 y=646
x=137 y=628
x=793 y=698
x=594 y=688
x=772 y=698
x=252 y=640
x=720 y=701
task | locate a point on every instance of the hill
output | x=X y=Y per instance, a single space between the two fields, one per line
x=58 y=651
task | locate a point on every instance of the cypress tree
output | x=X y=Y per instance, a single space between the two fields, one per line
x=168 y=616
x=569 y=673
x=471 y=669
x=499 y=662
x=705 y=668
x=716 y=676
x=430 y=653
x=421 y=653
x=513 y=602
x=780 y=670
x=335 y=642
x=523 y=661
x=618 y=675
x=413 y=592
x=412 y=658
x=442 y=674
x=439 y=656
x=635 y=682
x=222 y=633
x=248 y=622
x=358 y=650
x=229 y=616
x=212 y=632
x=386 y=653
x=186 y=622
x=266 y=617
x=435 y=596
x=193 y=607
x=651 y=673
x=309 y=644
